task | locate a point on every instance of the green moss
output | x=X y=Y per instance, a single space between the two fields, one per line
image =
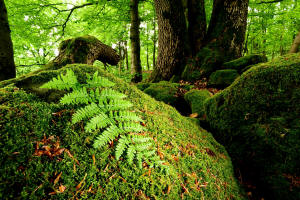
x=241 y=63
x=25 y=119
x=163 y=91
x=254 y=118
x=204 y=63
x=196 y=98
x=142 y=86
x=222 y=78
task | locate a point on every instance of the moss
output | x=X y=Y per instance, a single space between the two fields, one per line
x=25 y=119
x=196 y=98
x=163 y=91
x=222 y=78
x=254 y=118
x=204 y=63
x=142 y=86
x=241 y=63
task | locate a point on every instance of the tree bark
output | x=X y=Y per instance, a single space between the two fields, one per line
x=197 y=24
x=154 y=44
x=7 y=64
x=227 y=27
x=296 y=44
x=172 y=39
x=135 y=41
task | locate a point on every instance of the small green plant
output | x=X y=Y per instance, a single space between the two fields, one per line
x=107 y=112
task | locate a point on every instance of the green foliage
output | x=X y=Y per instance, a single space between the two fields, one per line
x=106 y=112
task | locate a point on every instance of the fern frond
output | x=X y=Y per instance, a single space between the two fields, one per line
x=123 y=116
x=122 y=144
x=141 y=139
x=85 y=112
x=143 y=147
x=131 y=154
x=80 y=96
x=108 y=135
x=63 y=82
x=98 y=122
x=98 y=81
x=114 y=105
x=112 y=94
x=131 y=127
x=139 y=158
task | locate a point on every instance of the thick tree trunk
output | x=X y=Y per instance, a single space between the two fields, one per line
x=7 y=64
x=197 y=24
x=126 y=55
x=296 y=44
x=135 y=41
x=227 y=27
x=172 y=39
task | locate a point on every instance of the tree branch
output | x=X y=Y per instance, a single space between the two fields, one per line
x=274 y=1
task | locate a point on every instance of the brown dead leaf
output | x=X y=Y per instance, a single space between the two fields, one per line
x=81 y=182
x=57 y=178
x=194 y=115
x=94 y=160
x=61 y=188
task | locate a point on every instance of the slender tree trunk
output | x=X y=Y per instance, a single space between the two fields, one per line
x=197 y=24
x=171 y=39
x=7 y=64
x=227 y=27
x=154 y=43
x=296 y=44
x=126 y=55
x=135 y=41
x=147 y=49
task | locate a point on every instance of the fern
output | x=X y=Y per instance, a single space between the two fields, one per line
x=63 y=82
x=106 y=111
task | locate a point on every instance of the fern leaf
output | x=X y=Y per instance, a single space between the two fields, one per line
x=63 y=82
x=86 y=112
x=98 y=81
x=114 y=105
x=131 y=154
x=123 y=116
x=122 y=144
x=112 y=94
x=108 y=135
x=80 y=96
x=131 y=127
x=98 y=122
x=139 y=158
x=143 y=147
x=141 y=139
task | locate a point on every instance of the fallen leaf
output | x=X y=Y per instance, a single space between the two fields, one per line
x=194 y=115
x=57 y=178
x=81 y=182
x=62 y=188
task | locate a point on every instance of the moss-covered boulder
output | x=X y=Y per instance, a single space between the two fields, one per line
x=44 y=156
x=257 y=119
x=163 y=91
x=222 y=78
x=241 y=63
x=204 y=63
x=196 y=98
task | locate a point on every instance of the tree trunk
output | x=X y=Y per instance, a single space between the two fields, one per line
x=7 y=64
x=126 y=55
x=227 y=27
x=296 y=44
x=154 y=44
x=135 y=41
x=171 y=39
x=197 y=24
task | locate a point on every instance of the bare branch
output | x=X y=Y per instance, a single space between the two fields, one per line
x=274 y=1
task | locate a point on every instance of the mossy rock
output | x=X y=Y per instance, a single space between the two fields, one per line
x=204 y=63
x=196 y=98
x=255 y=118
x=199 y=166
x=241 y=63
x=222 y=78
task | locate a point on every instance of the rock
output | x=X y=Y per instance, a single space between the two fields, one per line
x=222 y=78
x=196 y=98
x=193 y=155
x=255 y=119
x=205 y=62
x=243 y=63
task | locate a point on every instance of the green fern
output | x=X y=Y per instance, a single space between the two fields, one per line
x=106 y=111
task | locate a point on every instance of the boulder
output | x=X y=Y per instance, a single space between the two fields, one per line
x=243 y=63
x=30 y=126
x=257 y=119
x=196 y=98
x=222 y=78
